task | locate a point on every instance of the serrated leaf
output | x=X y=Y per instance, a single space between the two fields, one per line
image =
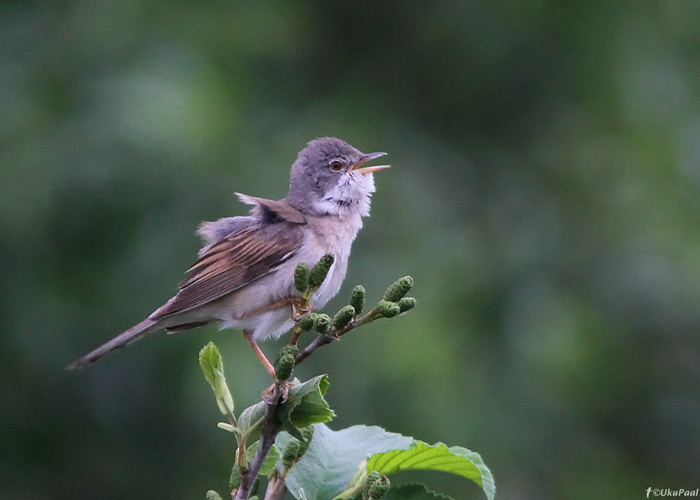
x=305 y=406
x=270 y=460
x=413 y=492
x=332 y=458
x=437 y=457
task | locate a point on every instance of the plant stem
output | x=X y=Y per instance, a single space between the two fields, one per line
x=276 y=490
x=327 y=338
x=270 y=428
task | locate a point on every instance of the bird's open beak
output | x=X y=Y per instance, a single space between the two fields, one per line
x=364 y=159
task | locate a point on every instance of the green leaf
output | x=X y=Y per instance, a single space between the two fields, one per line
x=333 y=457
x=305 y=406
x=437 y=457
x=213 y=369
x=332 y=460
x=227 y=427
x=413 y=492
x=250 y=416
x=210 y=362
x=270 y=460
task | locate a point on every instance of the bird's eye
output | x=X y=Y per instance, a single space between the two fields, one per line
x=336 y=165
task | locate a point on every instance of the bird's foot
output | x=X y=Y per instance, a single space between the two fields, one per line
x=269 y=394
x=298 y=311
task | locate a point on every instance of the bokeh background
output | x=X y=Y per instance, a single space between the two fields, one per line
x=544 y=195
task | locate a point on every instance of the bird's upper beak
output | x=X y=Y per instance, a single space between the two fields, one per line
x=364 y=159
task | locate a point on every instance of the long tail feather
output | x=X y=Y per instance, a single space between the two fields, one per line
x=131 y=335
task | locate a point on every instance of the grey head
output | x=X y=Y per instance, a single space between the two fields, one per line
x=326 y=179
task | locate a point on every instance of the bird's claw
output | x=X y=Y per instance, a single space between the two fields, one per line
x=268 y=395
x=299 y=312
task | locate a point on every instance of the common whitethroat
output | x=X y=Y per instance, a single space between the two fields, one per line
x=244 y=277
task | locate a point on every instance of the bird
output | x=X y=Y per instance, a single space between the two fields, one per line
x=243 y=277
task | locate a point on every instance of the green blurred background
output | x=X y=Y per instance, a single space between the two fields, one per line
x=544 y=195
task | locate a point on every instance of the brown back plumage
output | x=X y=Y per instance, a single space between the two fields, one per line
x=242 y=257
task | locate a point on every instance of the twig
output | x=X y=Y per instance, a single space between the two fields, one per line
x=326 y=338
x=276 y=489
x=271 y=427
x=321 y=340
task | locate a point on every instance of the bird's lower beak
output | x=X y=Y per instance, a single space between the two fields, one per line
x=364 y=159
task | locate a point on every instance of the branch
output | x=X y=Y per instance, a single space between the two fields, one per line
x=326 y=338
x=385 y=309
x=276 y=489
x=270 y=428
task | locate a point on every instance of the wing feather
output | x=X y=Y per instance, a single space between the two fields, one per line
x=244 y=256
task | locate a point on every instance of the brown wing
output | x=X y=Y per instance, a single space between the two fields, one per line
x=244 y=256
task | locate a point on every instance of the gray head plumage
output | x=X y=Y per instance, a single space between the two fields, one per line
x=325 y=179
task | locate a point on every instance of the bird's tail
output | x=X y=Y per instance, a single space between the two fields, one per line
x=131 y=335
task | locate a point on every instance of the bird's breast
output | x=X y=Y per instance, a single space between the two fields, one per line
x=333 y=235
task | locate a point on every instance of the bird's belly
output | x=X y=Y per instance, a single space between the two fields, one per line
x=272 y=323
x=238 y=309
